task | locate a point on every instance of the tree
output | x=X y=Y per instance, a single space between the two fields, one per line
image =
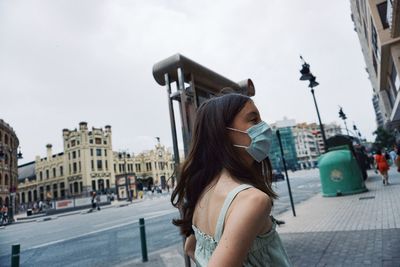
x=384 y=138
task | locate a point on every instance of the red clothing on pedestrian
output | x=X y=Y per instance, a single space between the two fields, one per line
x=381 y=163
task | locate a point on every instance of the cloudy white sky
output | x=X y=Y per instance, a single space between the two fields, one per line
x=62 y=62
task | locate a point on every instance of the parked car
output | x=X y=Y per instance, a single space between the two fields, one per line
x=277 y=176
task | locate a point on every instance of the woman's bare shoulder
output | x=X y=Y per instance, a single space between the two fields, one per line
x=253 y=198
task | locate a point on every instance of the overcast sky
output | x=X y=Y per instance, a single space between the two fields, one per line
x=62 y=62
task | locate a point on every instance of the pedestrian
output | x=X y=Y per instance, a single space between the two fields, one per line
x=382 y=166
x=393 y=156
x=98 y=201
x=93 y=200
x=224 y=191
x=4 y=214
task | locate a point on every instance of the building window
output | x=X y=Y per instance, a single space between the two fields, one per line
x=5 y=179
x=382 y=9
x=395 y=78
x=115 y=167
x=148 y=166
x=91 y=141
x=97 y=141
x=374 y=39
x=92 y=163
x=72 y=143
x=74 y=167
x=106 y=165
x=55 y=191
x=69 y=168
x=61 y=171
x=41 y=176
x=74 y=155
x=79 y=163
x=91 y=152
x=105 y=152
x=1 y=179
x=375 y=65
x=47 y=174
x=62 y=189
x=137 y=167
x=98 y=152
x=107 y=184
x=54 y=172
x=79 y=153
x=105 y=142
x=99 y=165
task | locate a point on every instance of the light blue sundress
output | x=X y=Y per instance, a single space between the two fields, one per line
x=266 y=250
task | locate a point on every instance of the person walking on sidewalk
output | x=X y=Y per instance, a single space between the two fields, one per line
x=224 y=191
x=98 y=201
x=382 y=166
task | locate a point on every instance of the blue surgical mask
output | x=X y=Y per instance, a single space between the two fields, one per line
x=260 y=135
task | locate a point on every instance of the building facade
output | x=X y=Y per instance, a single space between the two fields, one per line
x=9 y=144
x=302 y=143
x=285 y=128
x=88 y=164
x=377 y=23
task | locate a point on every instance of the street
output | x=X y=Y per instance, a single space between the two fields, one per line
x=111 y=236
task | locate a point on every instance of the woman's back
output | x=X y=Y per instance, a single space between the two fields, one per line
x=209 y=222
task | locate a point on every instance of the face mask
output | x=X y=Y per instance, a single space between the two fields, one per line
x=260 y=135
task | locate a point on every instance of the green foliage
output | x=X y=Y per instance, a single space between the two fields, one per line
x=384 y=138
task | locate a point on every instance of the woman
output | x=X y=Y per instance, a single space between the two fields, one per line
x=224 y=191
x=382 y=166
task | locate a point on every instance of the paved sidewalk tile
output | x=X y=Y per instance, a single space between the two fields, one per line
x=355 y=230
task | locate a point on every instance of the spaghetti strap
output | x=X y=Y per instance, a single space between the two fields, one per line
x=228 y=200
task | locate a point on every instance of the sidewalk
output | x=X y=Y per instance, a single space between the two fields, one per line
x=355 y=230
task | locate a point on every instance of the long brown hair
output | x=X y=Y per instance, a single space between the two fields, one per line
x=212 y=151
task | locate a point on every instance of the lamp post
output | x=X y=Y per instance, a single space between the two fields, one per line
x=343 y=116
x=306 y=75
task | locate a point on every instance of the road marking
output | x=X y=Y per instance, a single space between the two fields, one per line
x=102 y=230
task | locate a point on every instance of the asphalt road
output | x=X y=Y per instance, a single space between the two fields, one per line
x=111 y=236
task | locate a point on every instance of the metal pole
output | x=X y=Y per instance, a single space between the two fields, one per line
x=319 y=119
x=286 y=173
x=173 y=127
x=345 y=125
x=15 y=250
x=143 y=240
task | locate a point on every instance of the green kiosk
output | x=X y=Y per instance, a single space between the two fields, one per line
x=340 y=169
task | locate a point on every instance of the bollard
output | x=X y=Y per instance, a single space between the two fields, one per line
x=143 y=239
x=15 y=249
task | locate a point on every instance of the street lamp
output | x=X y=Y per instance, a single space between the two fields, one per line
x=306 y=75
x=343 y=116
x=356 y=130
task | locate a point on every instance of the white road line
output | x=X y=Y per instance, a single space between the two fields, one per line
x=101 y=230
